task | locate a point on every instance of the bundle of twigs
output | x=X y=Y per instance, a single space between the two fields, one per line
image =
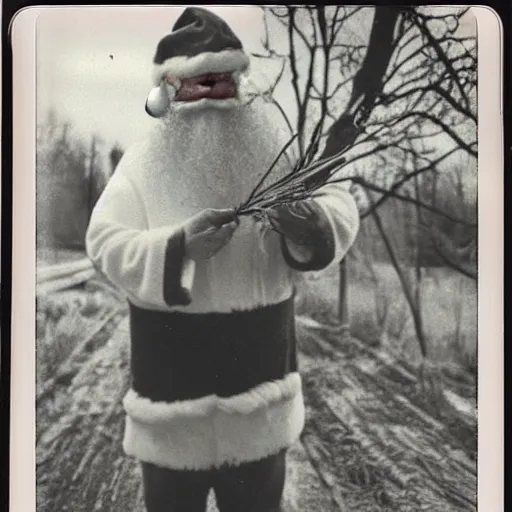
x=306 y=177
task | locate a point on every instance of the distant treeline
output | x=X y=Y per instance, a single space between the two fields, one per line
x=414 y=231
x=71 y=174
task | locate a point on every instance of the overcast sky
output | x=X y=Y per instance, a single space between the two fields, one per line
x=105 y=95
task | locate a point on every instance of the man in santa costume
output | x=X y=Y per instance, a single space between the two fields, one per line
x=216 y=397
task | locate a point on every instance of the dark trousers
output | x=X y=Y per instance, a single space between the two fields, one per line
x=253 y=487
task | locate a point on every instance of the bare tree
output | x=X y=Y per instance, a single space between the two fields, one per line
x=400 y=100
x=70 y=179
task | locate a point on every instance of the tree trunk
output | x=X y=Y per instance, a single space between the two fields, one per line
x=367 y=86
x=416 y=315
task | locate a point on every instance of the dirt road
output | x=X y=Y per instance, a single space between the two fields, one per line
x=372 y=441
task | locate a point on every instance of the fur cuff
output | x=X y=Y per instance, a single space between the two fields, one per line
x=211 y=432
x=225 y=61
x=321 y=251
x=178 y=272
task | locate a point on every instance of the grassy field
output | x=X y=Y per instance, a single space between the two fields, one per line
x=380 y=316
x=50 y=256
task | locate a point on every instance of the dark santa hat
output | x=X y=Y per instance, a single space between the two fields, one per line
x=200 y=43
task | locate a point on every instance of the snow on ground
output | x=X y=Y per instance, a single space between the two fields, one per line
x=376 y=438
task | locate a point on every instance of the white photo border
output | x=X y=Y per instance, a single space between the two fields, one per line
x=491 y=260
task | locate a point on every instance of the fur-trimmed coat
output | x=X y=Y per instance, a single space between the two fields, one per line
x=215 y=378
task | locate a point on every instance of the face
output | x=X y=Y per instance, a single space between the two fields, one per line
x=214 y=86
x=208 y=90
x=225 y=141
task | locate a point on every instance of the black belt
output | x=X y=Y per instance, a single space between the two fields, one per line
x=182 y=356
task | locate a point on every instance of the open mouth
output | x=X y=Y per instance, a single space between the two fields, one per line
x=217 y=86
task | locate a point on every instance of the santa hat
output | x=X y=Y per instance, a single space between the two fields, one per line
x=200 y=43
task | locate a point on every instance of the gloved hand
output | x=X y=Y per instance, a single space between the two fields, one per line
x=300 y=222
x=207 y=232
x=307 y=236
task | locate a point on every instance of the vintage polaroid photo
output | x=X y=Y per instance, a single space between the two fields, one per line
x=248 y=269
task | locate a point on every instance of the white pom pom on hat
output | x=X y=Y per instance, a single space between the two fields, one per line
x=158 y=101
x=200 y=43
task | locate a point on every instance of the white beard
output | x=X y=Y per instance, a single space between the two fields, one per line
x=211 y=157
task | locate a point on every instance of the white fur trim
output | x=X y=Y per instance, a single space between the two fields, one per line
x=340 y=207
x=208 y=62
x=210 y=432
x=120 y=244
x=146 y=411
x=187 y=274
x=206 y=103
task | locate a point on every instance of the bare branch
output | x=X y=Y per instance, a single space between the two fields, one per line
x=413 y=306
x=446 y=129
x=439 y=51
x=450 y=262
x=295 y=74
x=396 y=186
x=449 y=98
x=390 y=193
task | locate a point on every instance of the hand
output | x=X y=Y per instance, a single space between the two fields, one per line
x=299 y=222
x=208 y=232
